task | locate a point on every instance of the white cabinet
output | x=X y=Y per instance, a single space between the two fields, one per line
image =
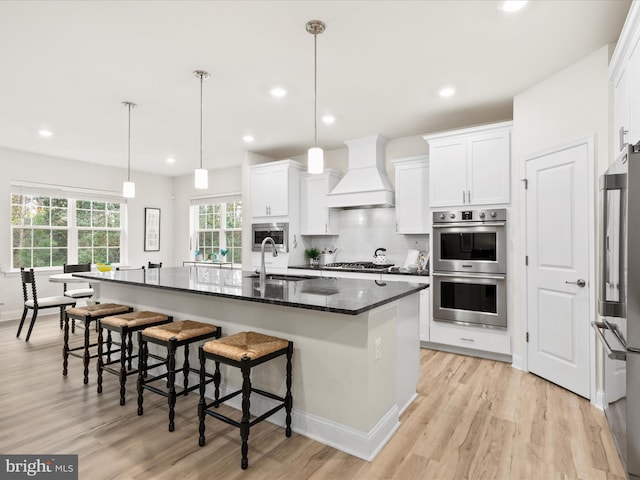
x=425 y=314
x=470 y=166
x=273 y=186
x=624 y=73
x=315 y=216
x=425 y=299
x=412 y=195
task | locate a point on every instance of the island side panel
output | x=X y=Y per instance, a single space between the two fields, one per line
x=335 y=376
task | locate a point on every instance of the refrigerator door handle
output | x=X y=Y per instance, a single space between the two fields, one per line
x=611 y=353
x=609 y=182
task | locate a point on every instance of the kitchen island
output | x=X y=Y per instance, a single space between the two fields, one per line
x=356 y=342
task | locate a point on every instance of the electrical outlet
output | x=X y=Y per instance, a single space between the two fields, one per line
x=377 y=349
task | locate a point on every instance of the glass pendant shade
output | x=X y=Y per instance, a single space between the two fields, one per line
x=315 y=160
x=128 y=189
x=201 y=178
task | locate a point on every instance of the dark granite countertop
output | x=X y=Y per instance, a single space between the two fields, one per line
x=392 y=271
x=337 y=295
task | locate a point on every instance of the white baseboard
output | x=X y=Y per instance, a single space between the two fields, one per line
x=9 y=315
x=364 y=445
x=599 y=400
x=517 y=362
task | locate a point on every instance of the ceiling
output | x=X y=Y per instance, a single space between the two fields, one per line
x=67 y=66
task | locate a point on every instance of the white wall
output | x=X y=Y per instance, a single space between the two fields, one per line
x=568 y=106
x=151 y=191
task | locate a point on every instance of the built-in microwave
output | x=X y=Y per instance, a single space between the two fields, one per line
x=279 y=232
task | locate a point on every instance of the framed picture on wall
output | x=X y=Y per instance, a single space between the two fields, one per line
x=151 y=229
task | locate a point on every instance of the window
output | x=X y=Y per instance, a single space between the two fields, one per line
x=218 y=228
x=49 y=230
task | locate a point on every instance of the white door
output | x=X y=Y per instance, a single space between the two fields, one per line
x=557 y=225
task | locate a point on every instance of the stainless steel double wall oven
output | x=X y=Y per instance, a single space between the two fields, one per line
x=470 y=267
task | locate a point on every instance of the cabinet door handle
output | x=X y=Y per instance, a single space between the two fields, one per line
x=622 y=133
x=463 y=197
x=326 y=228
x=464 y=339
x=468 y=196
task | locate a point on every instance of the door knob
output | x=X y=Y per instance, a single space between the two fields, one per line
x=580 y=282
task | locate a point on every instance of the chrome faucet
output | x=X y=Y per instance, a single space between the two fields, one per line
x=263 y=270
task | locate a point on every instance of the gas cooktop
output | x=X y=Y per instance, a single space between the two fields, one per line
x=357 y=266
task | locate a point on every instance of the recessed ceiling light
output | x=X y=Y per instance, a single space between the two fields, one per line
x=248 y=138
x=513 y=5
x=45 y=133
x=328 y=119
x=278 y=92
x=171 y=160
x=447 y=92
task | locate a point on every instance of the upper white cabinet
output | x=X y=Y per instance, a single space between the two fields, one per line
x=315 y=216
x=624 y=73
x=412 y=195
x=273 y=186
x=470 y=166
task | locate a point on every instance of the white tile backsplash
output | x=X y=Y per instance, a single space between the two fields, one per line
x=364 y=230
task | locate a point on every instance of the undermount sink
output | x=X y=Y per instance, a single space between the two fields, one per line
x=277 y=276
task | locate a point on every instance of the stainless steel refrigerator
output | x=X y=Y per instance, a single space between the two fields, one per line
x=619 y=303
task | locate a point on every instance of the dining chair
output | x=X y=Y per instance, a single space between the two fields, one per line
x=77 y=292
x=154 y=265
x=34 y=303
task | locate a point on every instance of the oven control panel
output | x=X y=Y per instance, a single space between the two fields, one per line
x=464 y=216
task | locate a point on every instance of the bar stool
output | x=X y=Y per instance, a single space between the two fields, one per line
x=87 y=314
x=124 y=324
x=244 y=350
x=171 y=336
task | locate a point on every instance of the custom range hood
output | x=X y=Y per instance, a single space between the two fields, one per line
x=366 y=183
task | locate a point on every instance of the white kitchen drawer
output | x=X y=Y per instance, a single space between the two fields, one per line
x=470 y=337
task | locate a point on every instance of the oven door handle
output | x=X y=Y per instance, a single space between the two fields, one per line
x=468 y=275
x=470 y=225
x=611 y=353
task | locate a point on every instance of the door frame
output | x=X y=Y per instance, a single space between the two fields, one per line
x=590 y=142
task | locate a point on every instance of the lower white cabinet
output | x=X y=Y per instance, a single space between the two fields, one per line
x=425 y=314
x=425 y=299
x=495 y=341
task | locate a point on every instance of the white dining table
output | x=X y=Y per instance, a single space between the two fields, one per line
x=69 y=278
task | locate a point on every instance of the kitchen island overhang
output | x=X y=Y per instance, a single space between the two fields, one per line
x=356 y=342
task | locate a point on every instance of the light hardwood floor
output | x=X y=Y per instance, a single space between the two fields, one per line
x=473 y=418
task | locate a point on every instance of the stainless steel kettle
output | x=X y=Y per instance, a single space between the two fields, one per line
x=380 y=256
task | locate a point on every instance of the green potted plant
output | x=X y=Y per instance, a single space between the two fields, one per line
x=313 y=254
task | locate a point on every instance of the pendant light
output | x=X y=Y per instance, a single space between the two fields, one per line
x=201 y=175
x=315 y=159
x=128 y=187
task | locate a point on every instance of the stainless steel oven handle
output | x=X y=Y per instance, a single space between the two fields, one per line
x=468 y=275
x=611 y=353
x=470 y=225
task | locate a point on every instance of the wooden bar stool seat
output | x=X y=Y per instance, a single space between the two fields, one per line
x=171 y=336
x=124 y=324
x=244 y=350
x=86 y=315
